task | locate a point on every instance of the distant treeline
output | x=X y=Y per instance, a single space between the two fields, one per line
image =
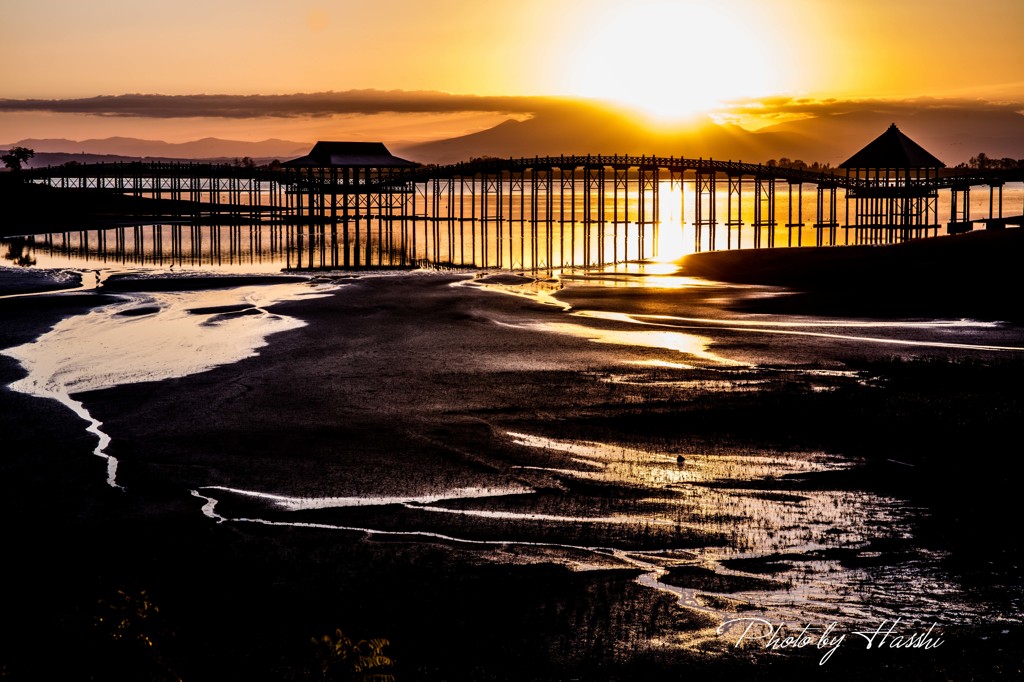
x=985 y=162
x=797 y=164
x=245 y=161
x=980 y=162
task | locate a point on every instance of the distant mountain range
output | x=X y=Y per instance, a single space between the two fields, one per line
x=42 y=159
x=56 y=151
x=952 y=134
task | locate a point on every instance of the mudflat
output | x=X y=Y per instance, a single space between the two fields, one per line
x=503 y=488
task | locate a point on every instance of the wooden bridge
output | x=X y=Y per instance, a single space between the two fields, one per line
x=548 y=212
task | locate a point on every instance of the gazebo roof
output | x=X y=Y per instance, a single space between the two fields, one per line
x=892 y=149
x=349 y=155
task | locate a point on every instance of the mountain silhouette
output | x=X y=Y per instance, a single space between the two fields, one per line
x=583 y=129
x=952 y=134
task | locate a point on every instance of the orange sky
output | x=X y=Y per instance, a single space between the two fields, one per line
x=668 y=58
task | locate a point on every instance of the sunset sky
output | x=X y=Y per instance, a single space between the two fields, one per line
x=668 y=59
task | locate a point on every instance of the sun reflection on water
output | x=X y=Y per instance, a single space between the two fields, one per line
x=671 y=245
x=690 y=345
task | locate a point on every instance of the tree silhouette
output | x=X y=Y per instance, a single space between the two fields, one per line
x=17 y=156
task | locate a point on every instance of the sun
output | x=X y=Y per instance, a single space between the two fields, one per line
x=670 y=59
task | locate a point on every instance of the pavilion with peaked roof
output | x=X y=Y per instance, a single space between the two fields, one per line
x=895 y=192
x=349 y=155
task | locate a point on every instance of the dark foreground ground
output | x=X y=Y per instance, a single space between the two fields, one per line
x=969 y=275
x=401 y=383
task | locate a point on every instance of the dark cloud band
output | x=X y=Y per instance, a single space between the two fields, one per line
x=366 y=102
x=282 y=106
x=786 y=106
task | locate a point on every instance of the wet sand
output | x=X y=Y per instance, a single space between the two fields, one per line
x=407 y=386
x=25 y=281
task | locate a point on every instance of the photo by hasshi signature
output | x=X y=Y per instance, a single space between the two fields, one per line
x=890 y=634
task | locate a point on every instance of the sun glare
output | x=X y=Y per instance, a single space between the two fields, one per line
x=671 y=246
x=669 y=59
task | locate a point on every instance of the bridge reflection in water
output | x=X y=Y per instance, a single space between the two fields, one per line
x=366 y=242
